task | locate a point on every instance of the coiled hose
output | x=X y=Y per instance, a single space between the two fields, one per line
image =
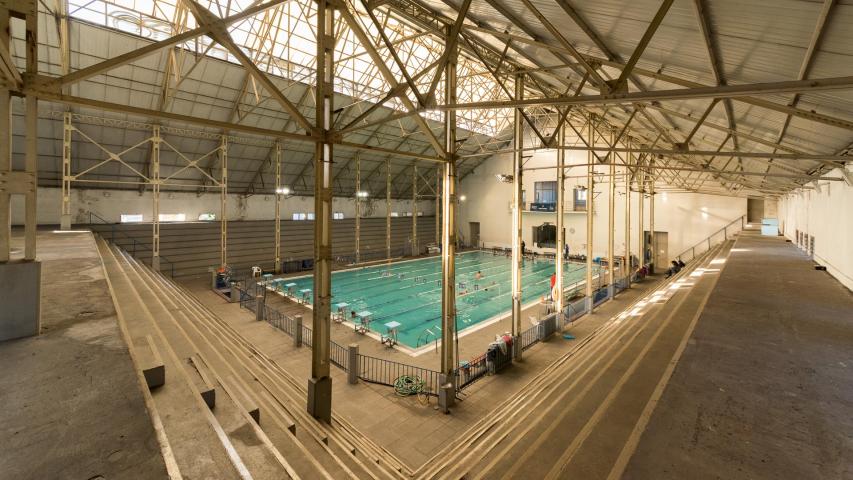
x=406 y=385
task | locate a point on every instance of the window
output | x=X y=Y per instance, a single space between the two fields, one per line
x=420 y=214
x=299 y=216
x=395 y=214
x=131 y=217
x=207 y=217
x=580 y=199
x=545 y=192
x=338 y=216
x=173 y=217
x=408 y=214
x=310 y=216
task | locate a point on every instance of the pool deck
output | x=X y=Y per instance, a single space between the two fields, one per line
x=400 y=416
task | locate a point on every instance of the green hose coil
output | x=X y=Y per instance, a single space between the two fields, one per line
x=406 y=385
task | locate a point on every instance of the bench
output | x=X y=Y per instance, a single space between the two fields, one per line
x=203 y=381
x=152 y=365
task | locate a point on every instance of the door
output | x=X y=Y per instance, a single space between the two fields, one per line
x=661 y=250
x=474 y=231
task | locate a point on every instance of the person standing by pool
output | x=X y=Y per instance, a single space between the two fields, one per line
x=566 y=251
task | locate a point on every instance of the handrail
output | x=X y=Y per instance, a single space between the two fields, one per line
x=132 y=239
x=740 y=219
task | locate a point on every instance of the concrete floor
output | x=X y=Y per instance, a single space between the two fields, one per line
x=765 y=386
x=72 y=407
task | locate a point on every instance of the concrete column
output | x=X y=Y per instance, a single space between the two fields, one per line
x=223 y=203
x=297 y=331
x=590 y=196
x=640 y=175
x=449 y=361
x=561 y=234
x=352 y=363
x=320 y=383
x=278 y=187
x=438 y=206
x=611 y=222
x=235 y=294
x=31 y=139
x=517 y=212
x=259 y=308
x=67 y=130
x=5 y=144
x=155 y=196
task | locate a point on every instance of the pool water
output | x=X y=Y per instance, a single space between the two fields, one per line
x=409 y=292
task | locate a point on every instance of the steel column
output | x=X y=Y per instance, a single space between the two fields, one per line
x=438 y=206
x=320 y=383
x=652 y=242
x=223 y=202
x=590 y=196
x=611 y=227
x=415 y=249
x=357 y=207
x=388 y=209
x=155 y=197
x=31 y=135
x=67 y=130
x=277 y=267
x=517 y=208
x=626 y=270
x=641 y=187
x=5 y=144
x=448 y=232
x=561 y=235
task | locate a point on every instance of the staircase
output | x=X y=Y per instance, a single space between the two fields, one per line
x=225 y=409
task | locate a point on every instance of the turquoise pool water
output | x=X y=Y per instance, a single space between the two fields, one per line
x=410 y=293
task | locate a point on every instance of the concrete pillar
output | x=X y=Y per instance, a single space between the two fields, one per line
x=297 y=331
x=652 y=243
x=20 y=296
x=352 y=363
x=259 y=308
x=388 y=209
x=357 y=207
x=235 y=293
x=415 y=247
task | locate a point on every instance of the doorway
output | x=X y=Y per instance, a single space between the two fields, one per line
x=474 y=231
x=660 y=257
x=754 y=210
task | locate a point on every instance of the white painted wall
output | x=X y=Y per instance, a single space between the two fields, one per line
x=111 y=204
x=826 y=214
x=688 y=218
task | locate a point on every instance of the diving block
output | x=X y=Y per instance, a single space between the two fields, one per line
x=152 y=365
x=203 y=381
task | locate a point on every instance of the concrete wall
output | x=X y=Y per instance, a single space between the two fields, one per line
x=827 y=214
x=111 y=204
x=688 y=218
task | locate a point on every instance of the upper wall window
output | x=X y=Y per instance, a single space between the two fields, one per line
x=310 y=216
x=395 y=214
x=545 y=192
x=338 y=216
x=173 y=217
x=207 y=217
x=131 y=217
x=299 y=216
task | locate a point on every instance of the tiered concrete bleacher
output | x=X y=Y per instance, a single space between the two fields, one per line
x=258 y=423
x=191 y=248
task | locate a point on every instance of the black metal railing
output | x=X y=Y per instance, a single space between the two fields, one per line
x=386 y=372
x=719 y=236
